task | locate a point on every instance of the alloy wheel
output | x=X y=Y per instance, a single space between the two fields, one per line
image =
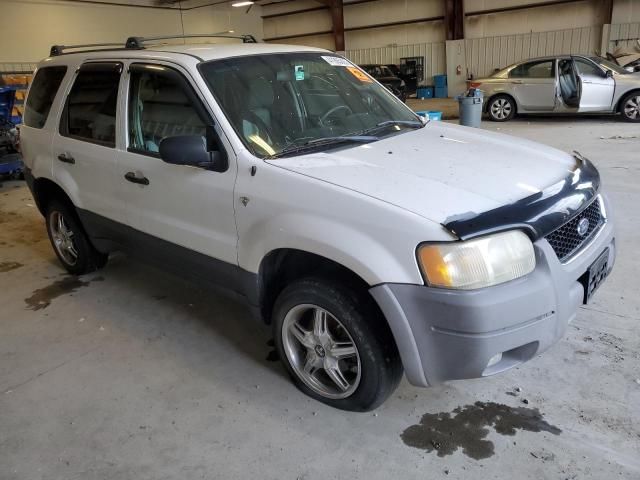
x=62 y=237
x=321 y=352
x=632 y=107
x=501 y=108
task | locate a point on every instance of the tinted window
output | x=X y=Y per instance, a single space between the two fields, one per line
x=43 y=91
x=90 y=111
x=587 y=68
x=540 y=69
x=160 y=106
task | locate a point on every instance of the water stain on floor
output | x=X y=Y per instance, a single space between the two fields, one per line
x=42 y=297
x=8 y=266
x=467 y=428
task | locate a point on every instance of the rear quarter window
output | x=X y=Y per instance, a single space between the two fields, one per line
x=41 y=95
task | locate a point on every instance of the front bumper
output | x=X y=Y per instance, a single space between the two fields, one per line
x=452 y=334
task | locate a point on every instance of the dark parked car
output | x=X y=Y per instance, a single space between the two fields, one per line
x=386 y=77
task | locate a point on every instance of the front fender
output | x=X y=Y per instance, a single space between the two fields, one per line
x=363 y=254
x=374 y=239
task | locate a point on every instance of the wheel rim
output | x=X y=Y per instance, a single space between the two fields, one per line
x=632 y=107
x=321 y=351
x=501 y=108
x=62 y=237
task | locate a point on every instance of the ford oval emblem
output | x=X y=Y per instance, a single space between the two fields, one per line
x=583 y=226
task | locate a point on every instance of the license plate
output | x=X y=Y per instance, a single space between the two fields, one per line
x=595 y=275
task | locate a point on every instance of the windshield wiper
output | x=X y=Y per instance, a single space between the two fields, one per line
x=322 y=142
x=392 y=123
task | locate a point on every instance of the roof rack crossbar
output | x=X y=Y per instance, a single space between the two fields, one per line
x=138 y=42
x=59 y=49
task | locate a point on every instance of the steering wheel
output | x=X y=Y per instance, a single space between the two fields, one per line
x=333 y=110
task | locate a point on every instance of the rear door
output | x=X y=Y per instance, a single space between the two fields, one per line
x=84 y=145
x=596 y=87
x=534 y=84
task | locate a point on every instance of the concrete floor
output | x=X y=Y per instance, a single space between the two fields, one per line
x=131 y=373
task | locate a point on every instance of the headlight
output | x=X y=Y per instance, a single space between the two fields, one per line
x=477 y=263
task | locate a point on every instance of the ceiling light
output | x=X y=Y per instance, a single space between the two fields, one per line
x=241 y=4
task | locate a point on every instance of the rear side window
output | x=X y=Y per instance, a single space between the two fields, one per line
x=90 y=110
x=43 y=90
x=540 y=69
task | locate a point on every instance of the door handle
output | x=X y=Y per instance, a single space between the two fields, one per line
x=133 y=178
x=63 y=157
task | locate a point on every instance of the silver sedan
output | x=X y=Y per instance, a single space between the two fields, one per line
x=561 y=84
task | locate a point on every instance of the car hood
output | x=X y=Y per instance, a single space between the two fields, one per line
x=441 y=171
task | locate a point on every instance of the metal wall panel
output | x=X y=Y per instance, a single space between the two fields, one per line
x=24 y=67
x=433 y=53
x=625 y=35
x=484 y=55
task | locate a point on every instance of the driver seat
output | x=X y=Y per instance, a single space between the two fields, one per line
x=260 y=104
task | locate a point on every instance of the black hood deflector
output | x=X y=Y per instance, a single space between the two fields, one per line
x=538 y=214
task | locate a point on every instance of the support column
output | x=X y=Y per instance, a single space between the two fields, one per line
x=455 y=52
x=336 y=8
x=454 y=19
x=456 y=56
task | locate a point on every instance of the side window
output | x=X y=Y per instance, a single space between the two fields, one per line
x=540 y=69
x=161 y=105
x=43 y=91
x=587 y=68
x=90 y=111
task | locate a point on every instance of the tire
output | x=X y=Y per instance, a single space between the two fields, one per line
x=369 y=367
x=501 y=108
x=69 y=240
x=630 y=107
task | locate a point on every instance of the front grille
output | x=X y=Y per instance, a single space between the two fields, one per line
x=566 y=241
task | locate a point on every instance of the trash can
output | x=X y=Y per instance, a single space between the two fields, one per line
x=470 y=106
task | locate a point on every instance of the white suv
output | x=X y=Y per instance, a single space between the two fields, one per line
x=370 y=240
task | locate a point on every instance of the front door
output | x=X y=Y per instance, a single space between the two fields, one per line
x=183 y=206
x=596 y=87
x=84 y=147
x=534 y=85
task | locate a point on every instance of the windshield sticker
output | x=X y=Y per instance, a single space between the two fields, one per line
x=299 y=70
x=359 y=74
x=337 y=61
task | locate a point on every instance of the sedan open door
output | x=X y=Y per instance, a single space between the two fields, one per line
x=597 y=86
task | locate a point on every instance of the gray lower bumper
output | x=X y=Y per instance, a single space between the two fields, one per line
x=451 y=334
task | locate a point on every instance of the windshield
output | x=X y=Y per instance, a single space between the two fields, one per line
x=607 y=65
x=278 y=101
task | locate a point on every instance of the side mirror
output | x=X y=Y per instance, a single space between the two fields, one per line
x=609 y=73
x=194 y=150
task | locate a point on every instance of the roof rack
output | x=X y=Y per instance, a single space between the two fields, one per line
x=137 y=43
x=59 y=49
